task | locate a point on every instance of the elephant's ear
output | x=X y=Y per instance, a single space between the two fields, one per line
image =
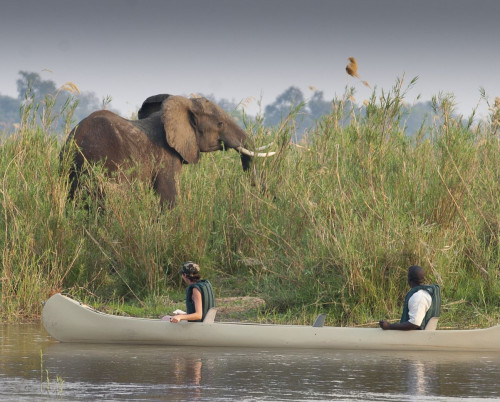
x=151 y=105
x=177 y=118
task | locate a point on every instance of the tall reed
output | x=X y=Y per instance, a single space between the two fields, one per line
x=330 y=225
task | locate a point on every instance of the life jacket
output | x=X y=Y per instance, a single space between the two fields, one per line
x=434 y=309
x=207 y=297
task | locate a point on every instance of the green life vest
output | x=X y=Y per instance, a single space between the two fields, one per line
x=434 y=309
x=207 y=297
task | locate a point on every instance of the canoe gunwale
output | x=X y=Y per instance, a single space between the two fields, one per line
x=68 y=320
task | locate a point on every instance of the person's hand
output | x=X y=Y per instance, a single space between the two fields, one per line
x=383 y=324
x=175 y=319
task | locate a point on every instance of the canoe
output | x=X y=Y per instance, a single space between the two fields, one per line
x=67 y=320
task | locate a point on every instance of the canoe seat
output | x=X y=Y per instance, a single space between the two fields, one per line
x=210 y=316
x=432 y=324
x=320 y=320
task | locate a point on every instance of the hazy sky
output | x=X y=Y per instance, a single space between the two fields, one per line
x=234 y=49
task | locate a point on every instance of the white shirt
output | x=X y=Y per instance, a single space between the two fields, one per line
x=418 y=305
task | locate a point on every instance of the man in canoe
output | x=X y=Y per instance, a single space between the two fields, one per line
x=199 y=294
x=422 y=303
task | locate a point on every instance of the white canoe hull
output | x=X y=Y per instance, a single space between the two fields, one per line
x=69 y=321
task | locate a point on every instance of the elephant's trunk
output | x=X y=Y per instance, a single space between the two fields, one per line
x=246 y=161
x=238 y=139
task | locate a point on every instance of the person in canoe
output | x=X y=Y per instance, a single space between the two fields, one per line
x=199 y=295
x=422 y=303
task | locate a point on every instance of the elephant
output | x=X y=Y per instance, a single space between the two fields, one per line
x=171 y=130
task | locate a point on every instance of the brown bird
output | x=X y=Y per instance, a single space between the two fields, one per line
x=352 y=67
x=352 y=70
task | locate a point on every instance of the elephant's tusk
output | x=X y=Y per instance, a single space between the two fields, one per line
x=253 y=154
x=264 y=146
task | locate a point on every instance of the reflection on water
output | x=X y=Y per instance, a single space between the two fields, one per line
x=416 y=377
x=34 y=367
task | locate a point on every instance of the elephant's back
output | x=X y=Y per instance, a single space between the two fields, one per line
x=102 y=121
x=104 y=135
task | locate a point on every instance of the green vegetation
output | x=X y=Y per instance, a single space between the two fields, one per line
x=32 y=89
x=327 y=226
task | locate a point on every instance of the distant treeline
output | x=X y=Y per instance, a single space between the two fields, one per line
x=32 y=88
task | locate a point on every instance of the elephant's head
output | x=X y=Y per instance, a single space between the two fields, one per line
x=199 y=125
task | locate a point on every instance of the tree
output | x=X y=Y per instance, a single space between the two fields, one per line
x=32 y=84
x=318 y=107
x=31 y=87
x=276 y=112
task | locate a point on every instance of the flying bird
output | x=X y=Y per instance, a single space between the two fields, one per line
x=352 y=70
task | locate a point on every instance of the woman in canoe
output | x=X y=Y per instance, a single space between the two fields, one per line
x=199 y=295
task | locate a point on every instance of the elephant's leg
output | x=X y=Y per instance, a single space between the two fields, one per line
x=165 y=186
x=76 y=170
x=74 y=179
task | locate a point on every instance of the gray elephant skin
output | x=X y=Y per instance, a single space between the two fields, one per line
x=171 y=131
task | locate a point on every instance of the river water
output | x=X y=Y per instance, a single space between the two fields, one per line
x=34 y=367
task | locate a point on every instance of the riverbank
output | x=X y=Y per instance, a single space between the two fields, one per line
x=327 y=227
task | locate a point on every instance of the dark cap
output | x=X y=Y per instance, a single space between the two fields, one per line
x=190 y=268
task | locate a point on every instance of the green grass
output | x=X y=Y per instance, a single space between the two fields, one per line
x=330 y=226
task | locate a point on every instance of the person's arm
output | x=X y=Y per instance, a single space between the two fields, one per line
x=198 y=307
x=418 y=305
x=403 y=326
